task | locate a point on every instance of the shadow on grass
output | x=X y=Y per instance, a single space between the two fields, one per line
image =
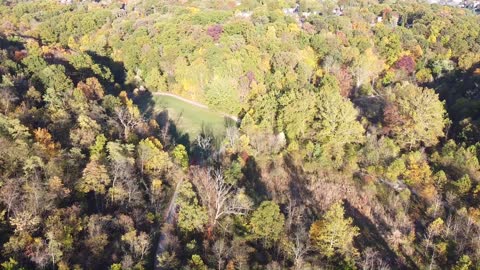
x=201 y=133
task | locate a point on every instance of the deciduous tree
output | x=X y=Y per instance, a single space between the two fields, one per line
x=191 y=215
x=414 y=115
x=267 y=222
x=94 y=178
x=334 y=234
x=220 y=197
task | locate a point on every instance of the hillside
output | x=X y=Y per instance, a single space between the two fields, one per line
x=357 y=143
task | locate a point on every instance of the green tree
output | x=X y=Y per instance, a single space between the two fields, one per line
x=85 y=131
x=62 y=229
x=116 y=266
x=180 y=156
x=191 y=216
x=464 y=263
x=91 y=88
x=334 y=233
x=11 y=264
x=367 y=67
x=267 y=222
x=95 y=178
x=463 y=185
x=151 y=156
x=12 y=129
x=54 y=77
x=196 y=263
x=155 y=81
x=335 y=124
x=97 y=150
x=414 y=115
x=221 y=94
x=297 y=113
x=389 y=44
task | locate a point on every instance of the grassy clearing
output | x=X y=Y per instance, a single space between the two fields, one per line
x=192 y=119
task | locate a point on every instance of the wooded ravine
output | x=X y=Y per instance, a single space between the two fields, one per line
x=239 y=134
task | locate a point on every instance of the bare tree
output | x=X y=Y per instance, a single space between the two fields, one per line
x=167 y=248
x=165 y=131
x=232 y=135
x=222 y=251
x=129 y=118
x=226 y=202
x=436 y=207
x=10 y=194
x=301 y=246
x=463 y=229
x=220 y=197
x=39 y=253
x=204 y=144
x=434 y=229
x=8 y=98
x=125 y=185
x=372 y=260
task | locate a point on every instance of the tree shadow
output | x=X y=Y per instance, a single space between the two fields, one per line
x=146 y=104
x=172 y=134
x=298 y=190
x=370 y=237
x=177 y=136
x=9 y=44
x=460 y=89
x=112 y=86
x=202 y=150
x=370 y=107
x=466 y=84
x=169 y=131
x=254 y=187
x=117 y=68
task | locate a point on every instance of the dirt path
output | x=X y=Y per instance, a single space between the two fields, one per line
x=169 y=218
x=194 y=103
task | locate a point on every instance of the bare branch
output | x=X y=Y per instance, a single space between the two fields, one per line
x=221 y=198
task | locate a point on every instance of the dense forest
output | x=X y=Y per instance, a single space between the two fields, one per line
x=357 y=143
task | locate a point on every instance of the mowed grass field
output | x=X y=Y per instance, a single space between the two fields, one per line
x=191 y=119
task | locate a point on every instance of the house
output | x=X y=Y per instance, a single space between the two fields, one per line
x=291 y=11
x=307 y=14
x=338 y=11
x=244 y=14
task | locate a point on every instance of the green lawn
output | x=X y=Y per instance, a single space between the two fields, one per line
x=192 y=119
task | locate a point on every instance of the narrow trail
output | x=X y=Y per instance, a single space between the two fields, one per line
x=169 y=218
x=194 y=103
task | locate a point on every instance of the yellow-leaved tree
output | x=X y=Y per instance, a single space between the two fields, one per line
x=414 y=115
x=334 y=234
